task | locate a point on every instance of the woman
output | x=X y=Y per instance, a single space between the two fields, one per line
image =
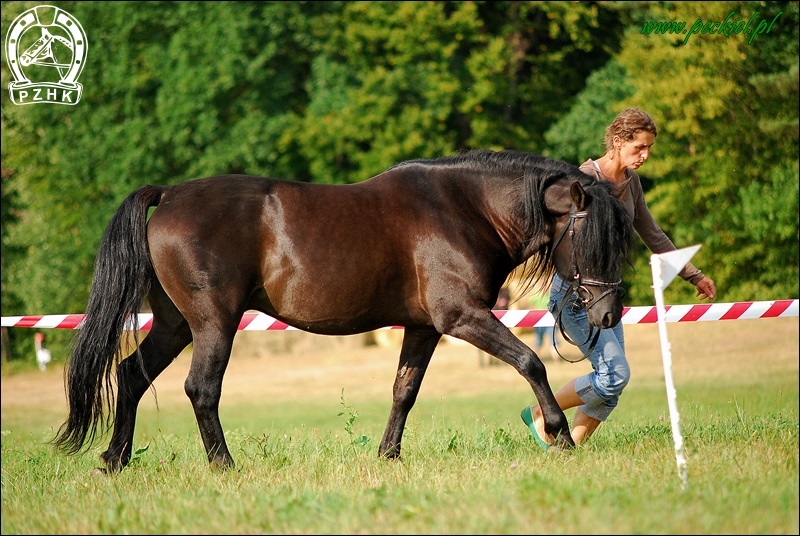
x=628 y=141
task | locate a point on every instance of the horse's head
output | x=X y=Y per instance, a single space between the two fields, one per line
x=591 y=240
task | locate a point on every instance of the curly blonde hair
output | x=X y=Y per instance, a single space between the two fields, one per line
x=627 y=123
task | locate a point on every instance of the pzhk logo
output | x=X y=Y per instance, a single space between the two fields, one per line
x=53 y=58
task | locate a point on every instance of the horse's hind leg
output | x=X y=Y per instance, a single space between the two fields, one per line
x=159 y=348
x=415 y=355
x=203 y=386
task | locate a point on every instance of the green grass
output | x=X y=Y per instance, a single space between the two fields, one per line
x=469 y=467
x=304 y=434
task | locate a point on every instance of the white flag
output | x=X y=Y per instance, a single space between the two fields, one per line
x=670 y=263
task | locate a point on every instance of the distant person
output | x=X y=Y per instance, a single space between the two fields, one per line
x=628 y=141
x=503 y=299
x=541 y=334
x=43 y=356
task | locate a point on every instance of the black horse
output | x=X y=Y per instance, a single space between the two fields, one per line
x=426 y=245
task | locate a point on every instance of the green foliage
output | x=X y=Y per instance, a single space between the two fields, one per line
x=11 y=213
x=723 y=172
x=339 y=91
x=580 y=133
x=172 y=92
x=398 y=80
x=326 y=92
x=352 y=415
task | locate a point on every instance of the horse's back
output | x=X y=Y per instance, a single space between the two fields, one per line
x=317 y=256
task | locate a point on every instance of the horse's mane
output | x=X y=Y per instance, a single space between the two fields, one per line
x=603 y=244
x=484 y=159
x=597 y=236
x=606 y=215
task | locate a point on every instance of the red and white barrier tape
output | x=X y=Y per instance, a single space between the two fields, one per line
x=513 y=318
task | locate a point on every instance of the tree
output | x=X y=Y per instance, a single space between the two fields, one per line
x=173 y=91
x=397 y=80
x=339 y=91
x=723 y=172
x=721 y=157
x=580 y=133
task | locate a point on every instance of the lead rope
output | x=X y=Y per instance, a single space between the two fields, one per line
x=592 y=330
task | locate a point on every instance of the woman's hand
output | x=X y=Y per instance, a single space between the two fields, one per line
x=706 y=288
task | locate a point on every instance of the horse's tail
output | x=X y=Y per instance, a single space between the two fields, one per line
x=122 y=277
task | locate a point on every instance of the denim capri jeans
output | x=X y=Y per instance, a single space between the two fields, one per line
x=600 y=389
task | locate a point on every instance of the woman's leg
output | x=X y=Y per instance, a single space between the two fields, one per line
x=595 y=395
x=583 y=426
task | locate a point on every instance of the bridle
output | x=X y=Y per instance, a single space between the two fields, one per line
x=577 y=287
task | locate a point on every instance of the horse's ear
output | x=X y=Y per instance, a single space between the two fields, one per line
x=579 y=196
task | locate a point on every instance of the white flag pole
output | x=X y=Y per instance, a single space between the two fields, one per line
x=665 y=267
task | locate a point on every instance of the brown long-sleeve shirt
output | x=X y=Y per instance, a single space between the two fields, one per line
x=643 y=222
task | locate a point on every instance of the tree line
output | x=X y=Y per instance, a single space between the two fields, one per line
x=337 y=92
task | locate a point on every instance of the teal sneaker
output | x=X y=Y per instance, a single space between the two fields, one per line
x=527 y=418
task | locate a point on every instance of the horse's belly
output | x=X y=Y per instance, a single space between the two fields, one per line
x=334 y=310
x=332 y=325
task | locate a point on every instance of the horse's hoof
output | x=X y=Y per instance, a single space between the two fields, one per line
x=110 y=466
x=391 y=454
x=221 y=464
x=563 y=445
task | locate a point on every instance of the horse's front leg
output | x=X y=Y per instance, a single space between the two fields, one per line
x=415 y=355
x=483 y=330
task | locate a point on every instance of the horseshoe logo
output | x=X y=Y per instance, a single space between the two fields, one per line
x=59 y=46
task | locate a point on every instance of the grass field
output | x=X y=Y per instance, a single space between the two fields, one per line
x=304 y=428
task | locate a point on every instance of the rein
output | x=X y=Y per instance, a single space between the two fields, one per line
x=577 y=287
